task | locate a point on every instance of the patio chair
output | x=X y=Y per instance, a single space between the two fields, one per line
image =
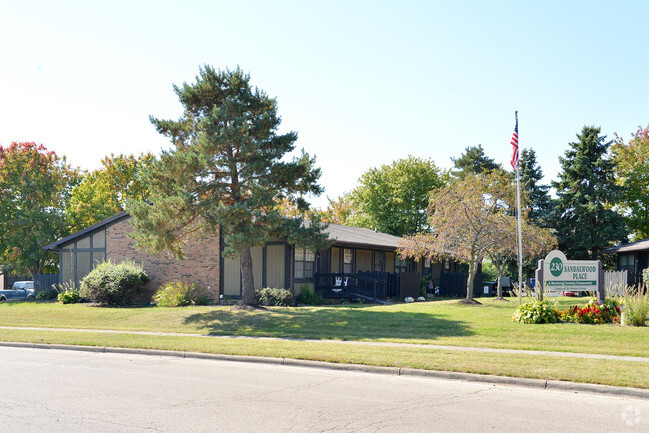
x=337 y=288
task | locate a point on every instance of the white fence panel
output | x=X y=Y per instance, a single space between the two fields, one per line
x=615 y=282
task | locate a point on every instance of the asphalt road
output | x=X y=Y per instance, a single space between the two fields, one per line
x=67 y=391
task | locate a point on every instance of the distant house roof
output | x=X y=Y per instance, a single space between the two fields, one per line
x=356 y=236
x=342 y=235
x=642 y=245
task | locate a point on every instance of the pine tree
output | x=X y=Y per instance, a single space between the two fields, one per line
x=583 y=218
x=227 y=174
x=473 y=161
x=540 y=203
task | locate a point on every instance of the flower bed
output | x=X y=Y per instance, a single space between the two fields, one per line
x=608 y=312
x=592 y=313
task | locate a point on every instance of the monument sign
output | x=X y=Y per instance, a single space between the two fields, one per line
x=556 y=273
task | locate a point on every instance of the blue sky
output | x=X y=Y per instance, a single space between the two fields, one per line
x=362 y=82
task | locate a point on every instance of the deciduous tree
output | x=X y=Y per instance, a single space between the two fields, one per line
x=339 y=211
x=632 y=168
x=105 y=192
x=34 y=187
x=229 y=169
x=393 y=198
x=537 y=241
x=463 y=217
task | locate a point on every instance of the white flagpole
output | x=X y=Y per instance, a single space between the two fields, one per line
x=520 y=236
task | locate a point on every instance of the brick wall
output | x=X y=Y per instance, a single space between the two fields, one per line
x=201 y=266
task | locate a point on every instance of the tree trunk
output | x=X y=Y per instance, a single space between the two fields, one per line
x=501 y=273
x=473 y=270
x=248 y=296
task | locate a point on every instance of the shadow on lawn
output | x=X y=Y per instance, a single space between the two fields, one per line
x=338 y=323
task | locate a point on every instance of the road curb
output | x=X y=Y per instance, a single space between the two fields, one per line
x=433 y=374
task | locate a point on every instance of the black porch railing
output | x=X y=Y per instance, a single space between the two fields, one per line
x=341 y=285
x=375 y=286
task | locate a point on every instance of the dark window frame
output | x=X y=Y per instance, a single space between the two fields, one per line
x=303 y=258
x=72 y=248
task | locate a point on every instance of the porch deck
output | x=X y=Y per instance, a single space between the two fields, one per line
x=373 y=286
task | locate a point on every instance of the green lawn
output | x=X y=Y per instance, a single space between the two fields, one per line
x=439 y=322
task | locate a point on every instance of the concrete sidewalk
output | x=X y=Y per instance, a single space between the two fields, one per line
x=366 y=343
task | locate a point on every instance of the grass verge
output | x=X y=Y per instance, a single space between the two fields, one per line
x=439 y=322
x=605 y=372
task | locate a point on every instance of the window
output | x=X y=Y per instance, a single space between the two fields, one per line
x=426 y=266
x=400 y=265
x=79 y=257
x=379 y=261
x=304 y=264
x=627 y=261
x=348 y=261
x=447 y=264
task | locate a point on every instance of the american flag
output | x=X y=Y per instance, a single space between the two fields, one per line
x=514 y=160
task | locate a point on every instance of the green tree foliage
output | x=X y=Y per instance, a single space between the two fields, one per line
x=540 y=203
x=473 y=161
x=583 y=219
x=338 y=211
x=465 y=218
x=393 y=198
x=34 y=187
x=105 y=192
x=227 y=173
x=632 y=168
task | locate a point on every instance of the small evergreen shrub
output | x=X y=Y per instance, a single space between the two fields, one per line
x=69 y=297
x=114 y=284
x=275 y=297
x=49 y=293
x=309 y=297
x=536 y=312
x=179 y=294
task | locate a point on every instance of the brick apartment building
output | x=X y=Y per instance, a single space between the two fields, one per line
x=276 y=264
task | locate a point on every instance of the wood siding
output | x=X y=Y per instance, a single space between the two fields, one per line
x=276 y=266
x=363 y=261
x=335 y=259
x=231 y=276
x=389 y=262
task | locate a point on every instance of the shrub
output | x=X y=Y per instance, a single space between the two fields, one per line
x=179 y=294
x=536 y=312
x=309 y=297
x=636 y=306
x=489 y=271
x=114 y=284
x=49 y=293
x=69 y=297
x=270 y=297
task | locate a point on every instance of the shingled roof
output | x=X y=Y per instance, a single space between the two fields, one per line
x=642 y=245
x=356 y=236
x=342 y=235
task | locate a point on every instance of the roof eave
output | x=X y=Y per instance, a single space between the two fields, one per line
x=55 y=245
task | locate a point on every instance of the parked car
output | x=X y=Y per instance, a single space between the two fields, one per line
x=20 y=290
